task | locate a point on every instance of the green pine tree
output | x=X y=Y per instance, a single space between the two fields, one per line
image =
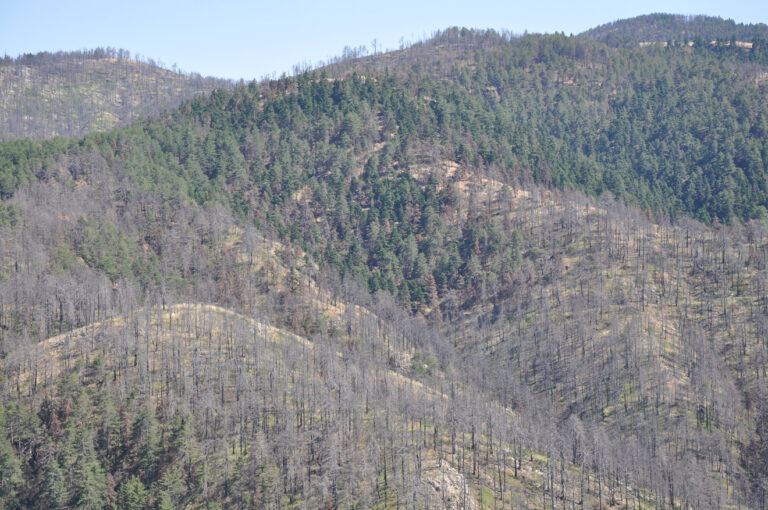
x=132 y=495
x=55 y=492
x=90 y=480
x=164 y=502
x=10 y=474
x=146 y=436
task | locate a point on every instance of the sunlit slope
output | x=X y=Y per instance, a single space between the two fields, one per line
x=289 y=411
x=71 y=94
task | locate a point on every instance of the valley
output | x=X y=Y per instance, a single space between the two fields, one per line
x=482 y=271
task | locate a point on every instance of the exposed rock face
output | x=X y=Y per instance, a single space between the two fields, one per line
x=450 y=486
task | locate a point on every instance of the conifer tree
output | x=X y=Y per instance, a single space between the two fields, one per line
x=132 y=495
x=90 y=480
x=54 y=490
x=146 y=437
x=10 y=474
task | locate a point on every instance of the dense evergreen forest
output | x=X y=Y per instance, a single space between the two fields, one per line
x=481 y=271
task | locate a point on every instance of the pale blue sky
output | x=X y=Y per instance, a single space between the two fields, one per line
x=252 y=39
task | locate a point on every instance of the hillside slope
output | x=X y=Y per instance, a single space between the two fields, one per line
x=675 y=27
x=196 y=403
x=71 y=94
x=451 y=222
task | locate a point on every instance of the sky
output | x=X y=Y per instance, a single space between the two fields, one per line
x=256 y=39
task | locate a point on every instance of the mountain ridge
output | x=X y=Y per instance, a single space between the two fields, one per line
x=659 y=27
x=469 y=227
x=72 y=93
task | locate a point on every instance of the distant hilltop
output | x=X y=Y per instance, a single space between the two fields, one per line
x=72 y=93
x=675 y=27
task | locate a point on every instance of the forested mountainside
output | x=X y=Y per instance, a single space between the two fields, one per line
x=678 y=28
x=460 y=275
x=73 y=93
